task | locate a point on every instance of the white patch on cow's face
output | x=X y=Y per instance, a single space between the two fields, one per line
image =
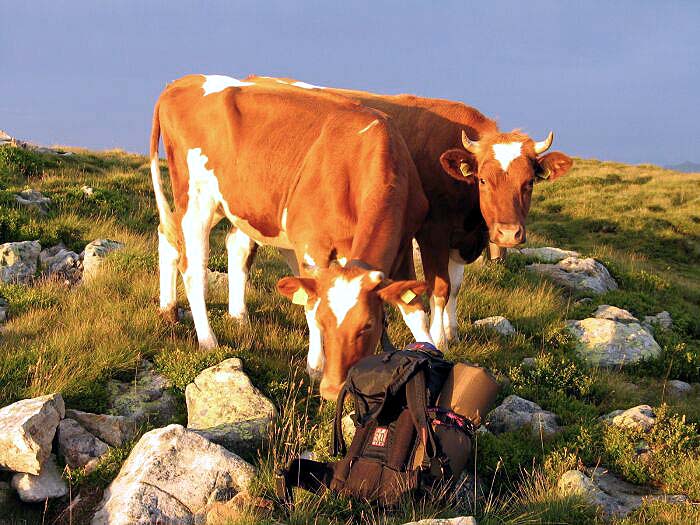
x=309 y=261
x=368 y=126
x=216 y=83
x=343 y=295
x=304 y=85
x=315 y=359
x=507 y=153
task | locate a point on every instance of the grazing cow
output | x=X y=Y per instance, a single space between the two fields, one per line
x=320 y=175
x=478 y=182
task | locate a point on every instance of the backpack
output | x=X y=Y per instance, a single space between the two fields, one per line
x=408 y=439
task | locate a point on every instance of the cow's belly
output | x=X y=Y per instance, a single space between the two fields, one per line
x=279 y=241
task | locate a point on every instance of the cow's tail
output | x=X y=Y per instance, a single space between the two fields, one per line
x=167 y=222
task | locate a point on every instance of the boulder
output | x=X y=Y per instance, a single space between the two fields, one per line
x=78 y=447
x=27 y=429
x=662 y=319
x=116 y=431
x=547 y=254
x=581 y=275
x=496 y=323
x=60 y=262
x=94 y=255
x=612 y=495
x=461 y=520
x=641 y=417
x=613 y=313
x=225 y=407
x=18 y=261
x=515 y=413
x=678 y=388
x=48 y=484
x=171 y=476
x=146 y=398
x=34 y=200
x=607 y=343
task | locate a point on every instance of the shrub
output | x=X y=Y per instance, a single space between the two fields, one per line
x=20 y=161
x=182 y=366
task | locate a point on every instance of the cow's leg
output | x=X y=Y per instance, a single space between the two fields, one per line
x=241 y=253
x=414 y=316
x=168 y=257
x=434 y=250
x=456 y=273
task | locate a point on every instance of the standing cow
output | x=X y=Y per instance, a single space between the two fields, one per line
x=319 y=175
x=478 y=182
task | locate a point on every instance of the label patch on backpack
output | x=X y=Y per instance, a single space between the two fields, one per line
x=379 y=437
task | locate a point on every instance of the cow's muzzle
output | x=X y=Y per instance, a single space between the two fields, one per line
x=507 y=235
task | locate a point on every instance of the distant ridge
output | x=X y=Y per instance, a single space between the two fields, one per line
x=685 y=167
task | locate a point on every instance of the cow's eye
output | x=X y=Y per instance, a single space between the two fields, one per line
x=482 y=181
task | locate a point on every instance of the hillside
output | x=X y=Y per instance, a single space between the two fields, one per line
x=642 y=222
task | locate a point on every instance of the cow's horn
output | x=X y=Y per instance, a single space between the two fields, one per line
x=544 y=145
x=470 y=145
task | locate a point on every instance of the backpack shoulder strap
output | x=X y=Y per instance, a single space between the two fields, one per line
x=338 y=446
x=416 y=399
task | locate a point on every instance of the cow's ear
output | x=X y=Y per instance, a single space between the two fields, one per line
x=300 y=290
x=458 y=164
x=552 y=165
x=402 y=292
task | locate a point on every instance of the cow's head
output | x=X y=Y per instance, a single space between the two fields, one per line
x=346 y=305
x=504 y=167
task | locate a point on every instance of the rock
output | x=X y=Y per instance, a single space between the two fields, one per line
x=614 y=496
x=47 y=485
x=4 y=309
x=462 y=520
x=677 y=388
x=582 y=275
x=548 y=254
x=87 y=190
x=217 y=281
x=641 y=417
x=4 y=137
x=94 y=255
x=146 y=398
x=18 y=261
x=662 y=319
x=497 y=323
x=605 y=311
x=529 y=362
x=171 y=475
x=515 y=413
x=27 y=429
x=61 y=262
x=224 y=405
x=606 y=343
x=77 y=446
x=113 y=430
x=33 y=199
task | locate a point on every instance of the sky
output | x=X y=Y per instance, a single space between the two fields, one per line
x=614 y=80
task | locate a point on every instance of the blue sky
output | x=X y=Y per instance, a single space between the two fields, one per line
x=614 y=80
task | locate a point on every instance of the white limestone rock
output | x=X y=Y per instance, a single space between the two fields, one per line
x=461 y=520
x=113 y=430
x=677 y=388
x=515 y=413
x=77 y=446
x=497 y=323
x=27 y=428
x=61 y=262
x=547 y=254
x=38 y=488
x=18 y=261
x=641 y=417
x=94 y=255
x=581 y=275
x=33 y=199
x=613 y=313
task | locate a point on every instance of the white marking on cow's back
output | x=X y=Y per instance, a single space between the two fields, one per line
x=216 y=83
x=305 y=85
x=506 y=153
x=368 y=126
x=343 y=295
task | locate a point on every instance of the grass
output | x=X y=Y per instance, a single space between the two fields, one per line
x=641 y=221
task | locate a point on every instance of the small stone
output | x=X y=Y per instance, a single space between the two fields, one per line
x=462 y=520
x=497 y=323
x=94 y=255
x=607 y=343
x=77 y=446
x=33 y=199
x=678 y=388
x=662 y=319
x=18 y=261
x=548 y=254
x=614 y=313
x=113 y=430
x=529 y=362
x=515 y=413
x=641 y=417
x=47 y=484
x=581 y=275
x=4 y=309
x=225 y=406
x=87 y=190
x=27 y=429
x=217 y=281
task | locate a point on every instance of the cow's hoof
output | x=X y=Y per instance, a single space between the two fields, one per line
x=240 y=318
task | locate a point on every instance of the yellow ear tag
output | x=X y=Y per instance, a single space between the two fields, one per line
x=300 y=297
x=464 y=168
x=408 y=296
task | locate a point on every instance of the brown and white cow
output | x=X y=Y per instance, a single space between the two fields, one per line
x=319 y=175
x=477 y=179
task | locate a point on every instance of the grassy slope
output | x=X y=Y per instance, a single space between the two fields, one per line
x=642 y=221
